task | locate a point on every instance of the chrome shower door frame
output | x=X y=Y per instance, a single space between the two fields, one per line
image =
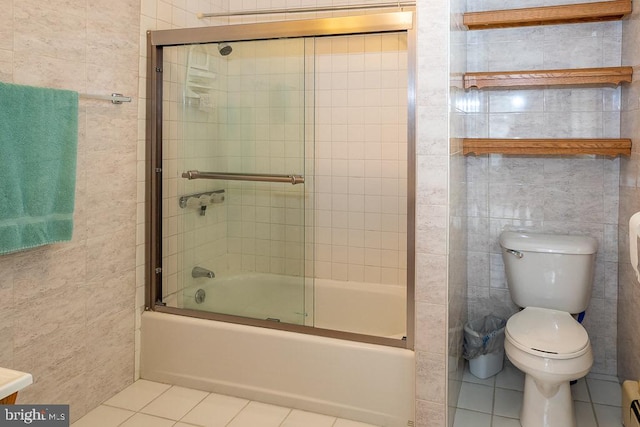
x=349 y=25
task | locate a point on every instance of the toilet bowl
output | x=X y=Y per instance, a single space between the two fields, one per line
x=551 y=348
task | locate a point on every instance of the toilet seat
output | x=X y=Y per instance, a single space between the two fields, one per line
x=547 y=333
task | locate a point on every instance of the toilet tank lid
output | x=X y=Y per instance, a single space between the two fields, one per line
x=550 y=243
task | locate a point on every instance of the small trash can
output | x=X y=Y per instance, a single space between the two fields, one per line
x=484 y=345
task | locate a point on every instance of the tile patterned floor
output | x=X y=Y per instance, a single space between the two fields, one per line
x=492 y=402
x=151 y=404
x=496 y=401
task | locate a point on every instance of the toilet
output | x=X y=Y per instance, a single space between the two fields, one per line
x=550 y=276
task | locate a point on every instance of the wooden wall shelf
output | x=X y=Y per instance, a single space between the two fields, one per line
x=604 y=147
x=565 y=77
x=548 y=15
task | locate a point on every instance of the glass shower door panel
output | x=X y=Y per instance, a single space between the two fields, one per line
x=240 y=111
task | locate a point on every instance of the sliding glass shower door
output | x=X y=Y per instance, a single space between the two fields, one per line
x=238 y=117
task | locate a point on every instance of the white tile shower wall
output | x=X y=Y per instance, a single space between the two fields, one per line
x=576 y=195
x=264 y=133
x=361 y=147
x=190 y=238
x=159 y=15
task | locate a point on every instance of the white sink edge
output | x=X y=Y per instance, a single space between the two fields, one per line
x=12 y=381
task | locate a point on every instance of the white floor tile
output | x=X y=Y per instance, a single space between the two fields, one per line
x=257 y=414
x=476 y=397
x=608 y=416
x=510 y=377
x=137 y=395
x=507 y=403
x=579 y=391
x=603 y=377
x=584 y=414
x=605 y=392
x=143 y=420
x=470 y=378
x=174 y=403
x=466 y=418
x=216 y=410
x=307 y=419
x=505 y=422
x=104 y=416
x=472 y=402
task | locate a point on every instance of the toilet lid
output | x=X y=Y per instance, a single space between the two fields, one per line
x=551 y=332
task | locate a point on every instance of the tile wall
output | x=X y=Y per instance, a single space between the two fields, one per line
x=263 y=131
x=360 y=152
x=458 y=230
x=574 y=195
x=161 y=15
x=66 y=310
x=440 y=293
x=629 y=290
x=191 y=122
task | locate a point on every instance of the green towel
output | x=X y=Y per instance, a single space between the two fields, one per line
x=38 y=150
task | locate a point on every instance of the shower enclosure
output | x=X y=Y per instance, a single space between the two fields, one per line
x=280 y=175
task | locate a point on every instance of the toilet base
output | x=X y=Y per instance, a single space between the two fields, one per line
x=539 y=410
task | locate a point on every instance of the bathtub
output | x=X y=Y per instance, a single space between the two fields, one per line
x=363 y=308
x=354 y=380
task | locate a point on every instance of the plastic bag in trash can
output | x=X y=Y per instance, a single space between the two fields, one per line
x=483 y=336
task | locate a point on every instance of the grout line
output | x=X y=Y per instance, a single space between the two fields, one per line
x=128 y=418
x=493 y=404
x=285 y=418
x=238 y=413
x=593 y=409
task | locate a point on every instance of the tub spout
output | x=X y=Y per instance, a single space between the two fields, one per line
x=202 y=272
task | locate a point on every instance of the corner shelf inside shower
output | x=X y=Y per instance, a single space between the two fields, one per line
x=200 y=79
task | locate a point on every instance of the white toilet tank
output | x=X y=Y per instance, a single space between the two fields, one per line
x=549 y=270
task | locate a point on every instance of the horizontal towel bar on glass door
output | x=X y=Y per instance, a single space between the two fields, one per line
x=291 y=179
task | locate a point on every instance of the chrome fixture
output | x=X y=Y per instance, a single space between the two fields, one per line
x=393 y=4
x=115 y=98
x=224 y=49
x=202 y=272
x=200 y=296
x=517 y=254
x=206 y=197
x=290 y=179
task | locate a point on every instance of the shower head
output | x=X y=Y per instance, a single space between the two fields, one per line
x=224 y=49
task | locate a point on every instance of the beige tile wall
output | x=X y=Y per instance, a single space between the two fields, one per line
x=628 y=343
x=360 y=155
x=66 y=310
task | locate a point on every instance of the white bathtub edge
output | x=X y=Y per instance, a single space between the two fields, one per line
x=359 y=381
